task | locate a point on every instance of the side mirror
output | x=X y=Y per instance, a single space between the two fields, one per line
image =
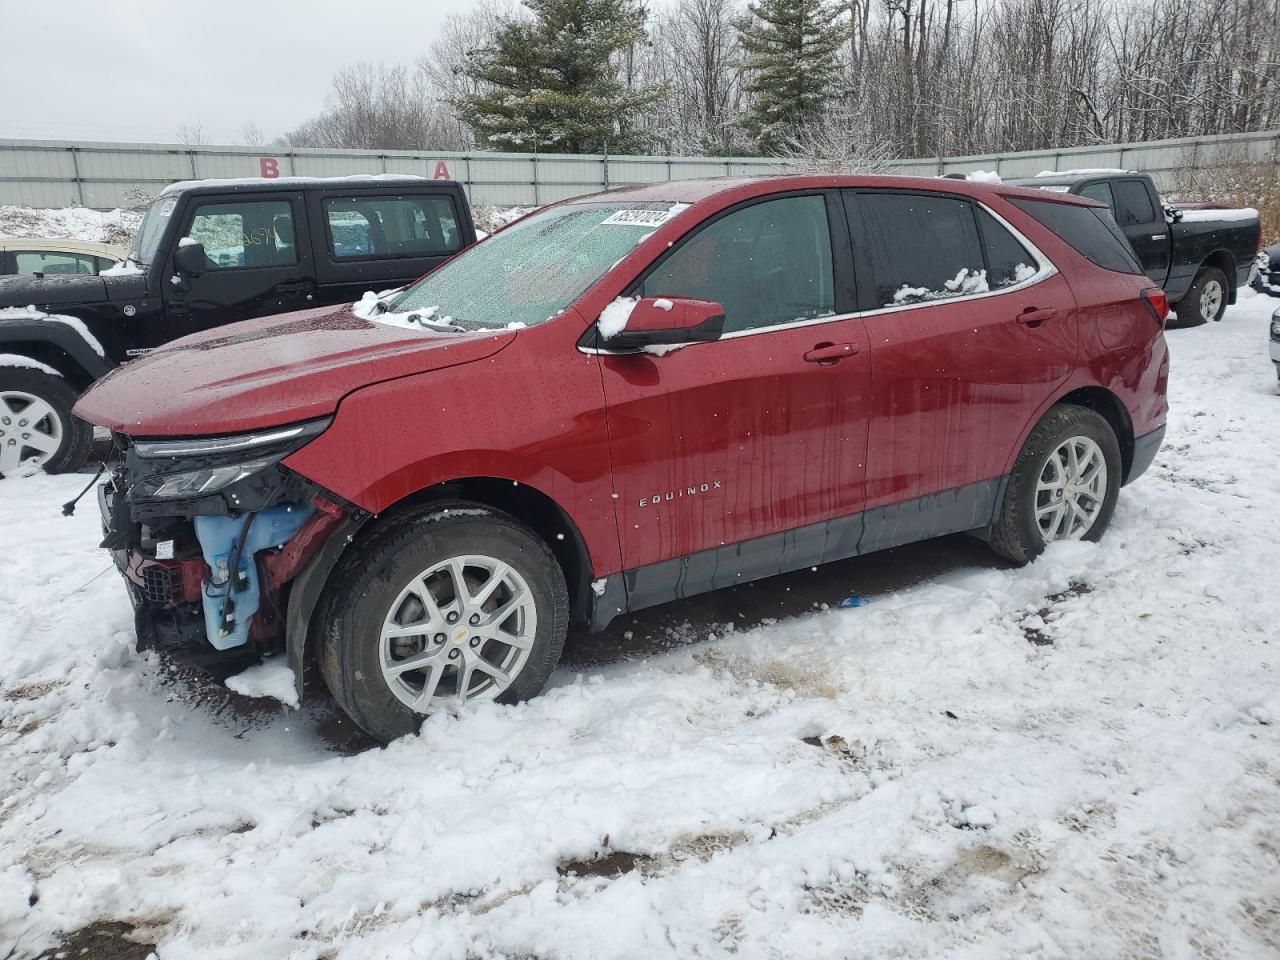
x=190 y=258
x=661 y=321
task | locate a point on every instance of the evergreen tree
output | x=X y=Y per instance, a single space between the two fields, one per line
x=551 y=83
x=792 y=57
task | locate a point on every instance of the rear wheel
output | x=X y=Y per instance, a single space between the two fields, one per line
x=1205 y=301
x=36 y=425
x=1063 y=486
x=456 y=602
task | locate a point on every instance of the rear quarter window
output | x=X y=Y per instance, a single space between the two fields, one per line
x=1090 y=231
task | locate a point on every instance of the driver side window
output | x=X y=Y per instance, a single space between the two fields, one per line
x=248 y=233
x=766 y=264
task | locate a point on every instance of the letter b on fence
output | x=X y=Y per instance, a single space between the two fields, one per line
x=269 y=167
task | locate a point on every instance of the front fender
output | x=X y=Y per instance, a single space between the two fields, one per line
x=20 y=326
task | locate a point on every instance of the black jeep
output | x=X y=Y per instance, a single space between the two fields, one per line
x=208 y=252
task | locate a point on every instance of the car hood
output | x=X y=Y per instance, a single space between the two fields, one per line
x=268 y=372
x=23 y=291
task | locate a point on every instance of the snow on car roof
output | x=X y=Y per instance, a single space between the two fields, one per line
x=263 y=183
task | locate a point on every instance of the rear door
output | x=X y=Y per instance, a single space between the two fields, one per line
x=377 y=240
x=971 y=332
x=1143 y=223
x=724 y=447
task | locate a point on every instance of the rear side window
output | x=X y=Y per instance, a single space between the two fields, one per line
x=51 y=264
x=374 y=227
x=1089 y=230
x=1133 y=203
x=1098 y=191
x=1008 y=261
x=919 y=247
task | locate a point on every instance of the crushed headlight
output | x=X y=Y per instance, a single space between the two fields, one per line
x=292 y=436
x=199 y=483
x=202 y=466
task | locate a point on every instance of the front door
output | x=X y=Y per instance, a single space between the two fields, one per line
x=1144 y=224
x=971 y=334
x=255 y=264
x=719 y=449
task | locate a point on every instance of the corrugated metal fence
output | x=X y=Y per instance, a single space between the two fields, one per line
x=51 y=173
x=1182 y=164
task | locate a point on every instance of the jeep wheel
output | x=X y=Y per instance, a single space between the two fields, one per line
x=1205 y=301
x=36 y=423
x=1064 y=484
x=456 y=602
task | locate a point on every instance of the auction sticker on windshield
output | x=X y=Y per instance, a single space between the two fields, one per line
x=638 y=218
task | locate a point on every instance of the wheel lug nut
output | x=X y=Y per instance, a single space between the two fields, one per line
x=452 y=617
x=475 y=641
x=438 y=638
x=453 y=654
x=475 y=619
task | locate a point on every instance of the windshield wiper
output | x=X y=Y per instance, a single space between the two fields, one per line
x=439 y=326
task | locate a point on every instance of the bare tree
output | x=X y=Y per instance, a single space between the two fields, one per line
x=252 y=135
x=840 y=142
x=375 y=107
x=192 y=134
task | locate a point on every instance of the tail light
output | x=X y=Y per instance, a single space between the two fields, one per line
x=1158 y=302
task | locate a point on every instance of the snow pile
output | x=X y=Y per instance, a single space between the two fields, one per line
x=1080 y=758
x=1210 y=216
x=70 y=223
x=273 y=679
x=614 y=317
x=965 y=282
x=984 y=176
x=1082 y=172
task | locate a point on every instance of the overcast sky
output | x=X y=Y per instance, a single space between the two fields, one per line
x=138 y=69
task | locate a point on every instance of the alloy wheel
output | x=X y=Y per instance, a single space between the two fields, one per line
x=1071 y=490
x=30 y=429
x=460 y=630
x=1211 y=295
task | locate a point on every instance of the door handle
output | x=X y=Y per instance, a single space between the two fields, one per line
x=293 y=286
x=1033 y=317
x=1158 y=236
x=830 y=352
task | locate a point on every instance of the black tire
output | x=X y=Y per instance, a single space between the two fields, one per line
x=1190 y=310
x=77 y=436
x=1016 y=534
x=374 y=571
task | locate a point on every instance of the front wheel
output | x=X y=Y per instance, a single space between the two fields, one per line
x=1205 y=301
x=451 y=603
x=36 y=425
x=1063 y=486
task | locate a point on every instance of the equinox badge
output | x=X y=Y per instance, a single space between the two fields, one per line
x=691 y=491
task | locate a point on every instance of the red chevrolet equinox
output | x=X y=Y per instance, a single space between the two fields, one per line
x=619 y=400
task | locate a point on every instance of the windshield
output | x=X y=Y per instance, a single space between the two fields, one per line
x=148 y=236
x=535 y=268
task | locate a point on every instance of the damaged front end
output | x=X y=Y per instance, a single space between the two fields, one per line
x=211 y=535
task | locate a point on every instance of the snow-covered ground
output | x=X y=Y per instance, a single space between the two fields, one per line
x=1079 y=759
x=70 y=223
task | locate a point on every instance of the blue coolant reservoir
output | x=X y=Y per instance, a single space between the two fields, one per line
x=218 y=537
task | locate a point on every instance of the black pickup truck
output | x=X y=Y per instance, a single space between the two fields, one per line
x=208 y=252
x=1199 y=257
